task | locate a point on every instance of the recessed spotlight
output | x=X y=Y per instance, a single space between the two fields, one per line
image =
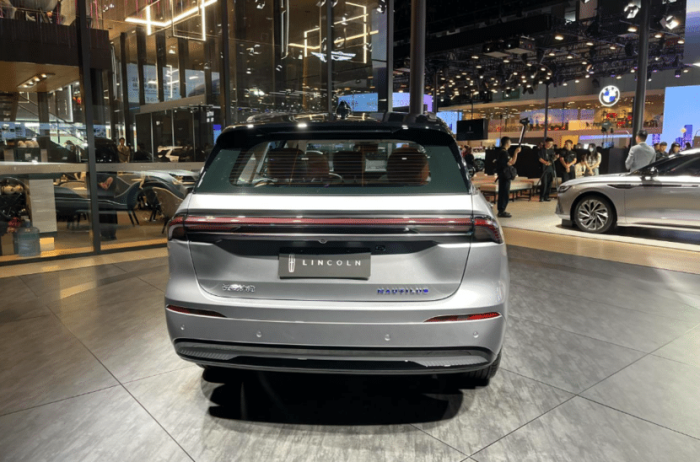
x=558 y=37
x=658 y=35
x=632 y=29
x=551 y=53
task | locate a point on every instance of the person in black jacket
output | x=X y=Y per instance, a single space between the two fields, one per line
x=503 y=161
x=547 y=157
x=568 y=161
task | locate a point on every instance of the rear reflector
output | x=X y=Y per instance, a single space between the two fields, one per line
x=179 y=309
x=464 y=317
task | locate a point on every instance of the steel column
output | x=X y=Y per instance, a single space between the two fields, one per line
x=329 y=59
x=418 y=10
x=225 y=73
x=546 y=110
x=86 y=90
x=390 y=55
x=642 y=64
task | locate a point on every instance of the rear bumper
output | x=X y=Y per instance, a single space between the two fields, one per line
x=405 y=348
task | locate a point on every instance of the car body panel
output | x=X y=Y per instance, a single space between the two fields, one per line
x=338 y=324
x=640 y=198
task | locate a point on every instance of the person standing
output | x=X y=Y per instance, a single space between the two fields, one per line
x=641 y=154
x=503 y=161
x=661 y=152
x=547 y=157
x=593 y=159
x=675 y=149
x=468 y=157
x=124 y=151
x=568 y=161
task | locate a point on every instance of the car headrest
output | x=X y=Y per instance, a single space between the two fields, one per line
x=408 y=166
x=285 y=164
x=316 y=165
x=349 y=164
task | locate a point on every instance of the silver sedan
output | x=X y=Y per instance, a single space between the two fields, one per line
x=664 y=193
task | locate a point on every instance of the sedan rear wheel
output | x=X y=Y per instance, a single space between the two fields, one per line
x=594 y=214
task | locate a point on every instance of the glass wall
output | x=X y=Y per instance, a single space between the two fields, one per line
x=164 y=79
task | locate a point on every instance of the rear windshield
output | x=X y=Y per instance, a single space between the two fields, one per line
x=335 y=167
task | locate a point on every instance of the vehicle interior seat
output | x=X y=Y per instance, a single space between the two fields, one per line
x=285 y=165
x=350 y=165
x=317 y=166
x=408 y=166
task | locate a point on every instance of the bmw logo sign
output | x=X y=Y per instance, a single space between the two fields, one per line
x=609 y=96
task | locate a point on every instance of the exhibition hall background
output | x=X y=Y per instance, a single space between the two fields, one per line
x=167 y=76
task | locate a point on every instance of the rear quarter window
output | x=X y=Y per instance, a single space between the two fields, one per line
x=335 y=167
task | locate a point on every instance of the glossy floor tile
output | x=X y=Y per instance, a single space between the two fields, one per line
x=583 y=431
x=685 y=349
x=43 y=362
x=562 y=359
x=105 y=426
x=128 y=337
x=620 y=326
x=655 y=389
x=12 y=310
x=483 y=415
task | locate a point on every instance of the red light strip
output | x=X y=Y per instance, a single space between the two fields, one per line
x=194 y=222
x=464 y=317
x=179 y=309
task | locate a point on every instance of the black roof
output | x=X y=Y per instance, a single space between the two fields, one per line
x=422 y=129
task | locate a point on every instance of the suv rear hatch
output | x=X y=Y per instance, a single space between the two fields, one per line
x=323 y=219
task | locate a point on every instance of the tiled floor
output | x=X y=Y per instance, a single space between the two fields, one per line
x=601 y=363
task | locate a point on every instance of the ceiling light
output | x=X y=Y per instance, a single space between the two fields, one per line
x=669 y=22
x=565 y=84
x=658 y=35
x=618 y=77
x=612 y=47
x=551 y=53
x=590 y=44
x=681 y=41
x=569 y=56
x=475 y=56
x=632 y=29
x=558 y=37
x=631 y=11
x=685 y=71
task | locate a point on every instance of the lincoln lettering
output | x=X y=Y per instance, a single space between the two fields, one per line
x=331 y=263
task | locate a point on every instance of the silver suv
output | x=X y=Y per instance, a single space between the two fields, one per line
x=345 y=247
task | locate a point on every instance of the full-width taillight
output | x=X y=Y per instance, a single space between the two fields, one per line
x=464 y=317
x=487 y=230
x=176 y=228
x=482 y=228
